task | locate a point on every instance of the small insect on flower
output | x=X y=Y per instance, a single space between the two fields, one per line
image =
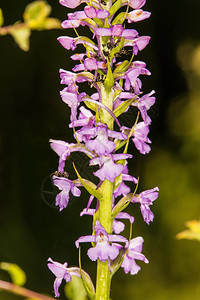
x=123 y=52
x=102 y=2
x=61 y=174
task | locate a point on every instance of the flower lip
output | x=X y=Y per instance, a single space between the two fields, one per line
x=102 y=250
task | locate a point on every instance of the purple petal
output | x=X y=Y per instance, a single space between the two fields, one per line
x=141 y=146
x=101 y=145
x=123 y=215
x=75 y=191
x=69 y=24
x=122 y=189
x=77 y=15
x=56 y=285
x=67 y=42
x=136 y=4
x=109 y=171
x=137 y=15
x=130 y=34
x=85 y=239
x=62 y=199
x=60 y=146
x=70 y=3
x=118 y=226
x=102 y=14
x=130 y=265
x=117 y=30
x=117 y=238
x=103 y=251
x=90 y=11
x=146 y=213
x=151 y=194
x=103 y=31
x=57 y=268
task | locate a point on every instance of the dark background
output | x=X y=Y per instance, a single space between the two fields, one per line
x=31 y=228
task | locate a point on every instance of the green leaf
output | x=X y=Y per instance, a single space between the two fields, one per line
x=117 y=181
x=116 y=263
x=122 y=204
x=109 y=81
x=51 y=23
x=193 y=233
x=89 y=186
x=1 y=17
x=117 y=49
x=36 y=16
x=36 y=11
x=120 y=109
x=121 y=68
x=114 y=8
x=98 y=22
x=88 y=285
x=90 y=105
x=21 y=36
x=74 y=290
x=17 y=275
x=119 y=18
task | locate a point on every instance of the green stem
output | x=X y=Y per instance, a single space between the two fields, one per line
x=103 y=280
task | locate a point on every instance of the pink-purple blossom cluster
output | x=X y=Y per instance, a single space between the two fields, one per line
x=103 y=66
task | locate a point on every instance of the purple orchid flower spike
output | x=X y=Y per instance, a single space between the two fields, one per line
x=133 y=253
x=65 y=185
x=102 y=250
x=116 y=86
x=145 y=199
x=62 y=273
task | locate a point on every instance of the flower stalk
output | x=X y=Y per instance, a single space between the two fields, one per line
x=103 y=281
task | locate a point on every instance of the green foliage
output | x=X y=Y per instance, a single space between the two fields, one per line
x=117 y=49
x=1 y=17
x=21 y=35
x=122 y=107
x=35 y=18
x=122 y=67
x=89 y=186
x=122 y=204
x=74 y=290
x=109 y=81
x=114 y=8
x=192 y=233
x=17 y=275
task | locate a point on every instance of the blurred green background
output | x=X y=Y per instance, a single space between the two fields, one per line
x=31 y=229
